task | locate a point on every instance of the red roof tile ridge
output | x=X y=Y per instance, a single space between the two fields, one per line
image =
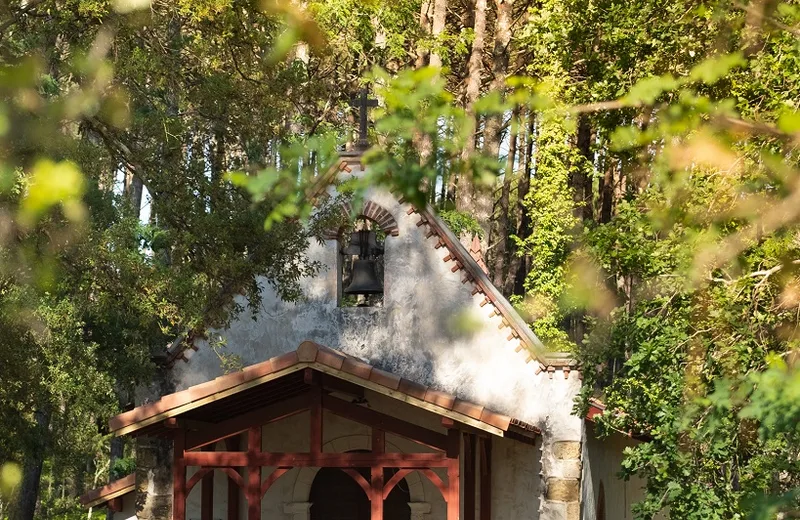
x=311 y=354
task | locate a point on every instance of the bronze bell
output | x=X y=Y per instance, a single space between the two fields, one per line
x=364 y=279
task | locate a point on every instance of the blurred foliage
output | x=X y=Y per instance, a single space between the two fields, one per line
x=229 y=117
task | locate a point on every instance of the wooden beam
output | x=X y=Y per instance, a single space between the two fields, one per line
x=453 y=444
x=315 y=435
x=223 y=459
x=453 y=494
x=260 y=416
x=115 y=504
x=334 y=384
x=385 y=422
x=376 y=495
x=179 y=476
x=253 y=474
x=485 y=449
x=232 y=444
x=275 y=475
x=469 y=476
x=207 y=494
x=396 y=478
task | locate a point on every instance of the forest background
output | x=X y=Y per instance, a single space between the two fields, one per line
x=631 y=169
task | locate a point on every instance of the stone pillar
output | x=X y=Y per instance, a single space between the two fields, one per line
x=153 y=479
x=562 y=437
x=154 y=460
x=298 y=510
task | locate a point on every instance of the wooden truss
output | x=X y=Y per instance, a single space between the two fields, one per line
x=194 y=441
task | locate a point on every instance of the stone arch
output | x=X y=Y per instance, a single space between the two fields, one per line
x=373 y=211
x=305 y=477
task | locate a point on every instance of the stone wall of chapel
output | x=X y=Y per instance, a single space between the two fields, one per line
x=420 y=334
x=602 y=463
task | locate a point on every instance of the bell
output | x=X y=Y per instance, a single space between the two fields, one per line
x=364 y=279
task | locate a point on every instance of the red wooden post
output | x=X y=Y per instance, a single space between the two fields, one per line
x=469 y=476
x=253 y=474
x=453 y=494
x=315 y=437
x=207 y=493
x=486 y=478
x=178 y=476
x=233 y=490
x=376 y=495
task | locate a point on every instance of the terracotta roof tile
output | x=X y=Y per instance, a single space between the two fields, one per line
x=469 y=409
x=259 y=369
x=285 y=361
x=356 y=368
x=309 y=352
x=438 y=398
x=412 y=389
x=330 y=357
x=495 y=419
x=384 y=378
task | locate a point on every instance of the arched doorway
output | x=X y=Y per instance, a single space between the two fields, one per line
x=336 y=496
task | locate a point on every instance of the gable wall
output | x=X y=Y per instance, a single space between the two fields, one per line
x=416 y=334
x=419 y=334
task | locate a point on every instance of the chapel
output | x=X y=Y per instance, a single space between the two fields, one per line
x=371 y=399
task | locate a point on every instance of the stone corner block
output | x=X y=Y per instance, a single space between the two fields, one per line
x=567 y=449
x=563 y=490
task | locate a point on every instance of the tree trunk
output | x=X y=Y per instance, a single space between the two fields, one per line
x=523 y=217
x=425 y=29
x=463 y=187
x=133 y=191
x=581 y=174
x=25 y=508
x=439 y=21
x=606 y=191
x=494 y=123
x=501 y=229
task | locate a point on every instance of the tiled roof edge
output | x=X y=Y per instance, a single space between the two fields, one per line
x=480 y=278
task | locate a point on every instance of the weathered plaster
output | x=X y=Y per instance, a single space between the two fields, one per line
x=420 y=333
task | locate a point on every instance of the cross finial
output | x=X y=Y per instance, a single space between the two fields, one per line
x=363 y=103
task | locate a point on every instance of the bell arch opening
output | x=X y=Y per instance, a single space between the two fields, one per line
x=360 y=269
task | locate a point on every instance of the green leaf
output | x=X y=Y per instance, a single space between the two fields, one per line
x=713 y=69
x=647 y=90
x=789 y=122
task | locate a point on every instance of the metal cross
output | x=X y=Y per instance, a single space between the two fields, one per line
x=363 y=103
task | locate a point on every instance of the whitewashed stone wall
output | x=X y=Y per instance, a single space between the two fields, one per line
x=602 y=463
x=419 y=334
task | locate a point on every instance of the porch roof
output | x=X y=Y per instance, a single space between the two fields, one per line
x=282 y=379
x=101 y=496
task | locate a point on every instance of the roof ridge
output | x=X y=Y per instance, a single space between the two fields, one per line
x=327 y=360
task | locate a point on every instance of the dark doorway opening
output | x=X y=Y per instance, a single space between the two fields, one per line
x=336 y=496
